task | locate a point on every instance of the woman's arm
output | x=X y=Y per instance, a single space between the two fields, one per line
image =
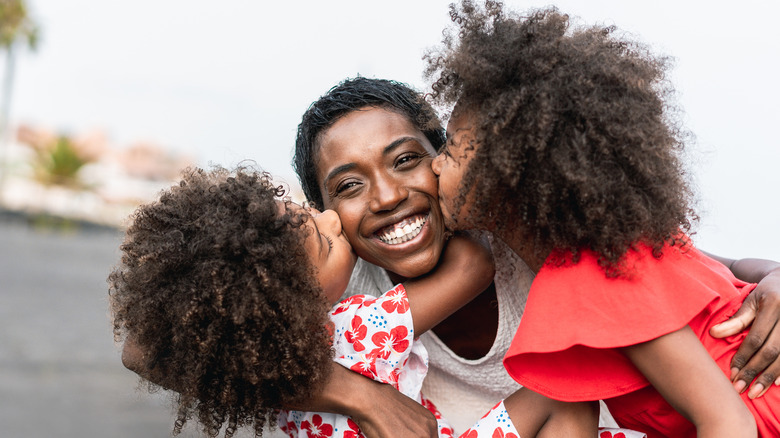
x=380 y=410
x=682 y=371
x=464 y=271
x=759 y=354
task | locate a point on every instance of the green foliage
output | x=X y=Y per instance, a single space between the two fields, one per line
x=60 y=164
x=16 y=24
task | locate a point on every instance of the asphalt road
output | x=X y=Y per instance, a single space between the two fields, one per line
x=60 y=371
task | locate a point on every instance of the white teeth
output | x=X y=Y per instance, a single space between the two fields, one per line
x=403 y=231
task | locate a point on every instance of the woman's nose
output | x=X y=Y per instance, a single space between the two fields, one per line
x=387 y=194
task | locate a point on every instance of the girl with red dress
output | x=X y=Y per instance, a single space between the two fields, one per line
x=563 y=142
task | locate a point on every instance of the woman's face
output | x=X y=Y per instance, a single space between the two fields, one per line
x=374 y=169
x=451 y=165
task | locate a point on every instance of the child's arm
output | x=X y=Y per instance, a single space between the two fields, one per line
x=464 y=271
x=759 y=352
x=682 y=371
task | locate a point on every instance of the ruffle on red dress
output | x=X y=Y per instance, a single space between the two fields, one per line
x=576 y=318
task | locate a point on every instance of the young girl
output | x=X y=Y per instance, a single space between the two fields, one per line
x=563 y=145
x=225 y=287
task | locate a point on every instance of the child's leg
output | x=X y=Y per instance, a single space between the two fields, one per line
x=526 y=414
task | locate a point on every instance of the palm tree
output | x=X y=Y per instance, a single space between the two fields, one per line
x=16 y=27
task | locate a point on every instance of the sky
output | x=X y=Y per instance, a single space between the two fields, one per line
x=228 y=81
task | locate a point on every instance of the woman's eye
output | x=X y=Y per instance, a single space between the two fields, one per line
x=345 y=186
x=406 y=158
x=330 y=241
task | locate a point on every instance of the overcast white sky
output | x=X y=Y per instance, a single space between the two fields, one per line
x=229 y=80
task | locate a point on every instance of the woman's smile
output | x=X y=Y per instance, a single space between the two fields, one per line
x=402 y=231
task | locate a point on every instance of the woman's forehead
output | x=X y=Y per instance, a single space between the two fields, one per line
x=365 y=133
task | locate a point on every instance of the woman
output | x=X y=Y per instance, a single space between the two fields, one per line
x=364 y=149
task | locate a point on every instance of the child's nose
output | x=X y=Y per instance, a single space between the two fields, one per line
x=436 y=164
x=330 y=220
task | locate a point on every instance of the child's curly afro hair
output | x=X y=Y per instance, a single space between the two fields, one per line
x=214 y=286
x=579 y=146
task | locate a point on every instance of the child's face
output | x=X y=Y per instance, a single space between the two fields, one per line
x=451 y=165
x=329 y=252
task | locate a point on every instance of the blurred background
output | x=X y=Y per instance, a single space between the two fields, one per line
x=102 y=102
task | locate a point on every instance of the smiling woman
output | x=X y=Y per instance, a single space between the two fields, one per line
x=374 y=165
x=365 y=149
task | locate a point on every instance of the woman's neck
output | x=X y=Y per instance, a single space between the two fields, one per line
x=395 y=278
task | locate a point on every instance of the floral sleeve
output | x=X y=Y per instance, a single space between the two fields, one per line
x=374 y=337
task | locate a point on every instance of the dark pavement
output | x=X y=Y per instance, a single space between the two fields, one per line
x=60 y=371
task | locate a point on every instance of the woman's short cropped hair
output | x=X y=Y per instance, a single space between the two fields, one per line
x=352 y=95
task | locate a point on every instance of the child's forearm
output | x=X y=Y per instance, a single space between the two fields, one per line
x=682 y=371
x=464 y=271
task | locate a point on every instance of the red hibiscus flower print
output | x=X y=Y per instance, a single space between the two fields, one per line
x=290 y=428
x=499 y=433
x=392 y=378
x=342 y=306
x=388 y=342
x=366 y=366
x=427 y=404
x=395 y=301
x=446 y=431
x=491 y=410
x=316 y=429
x=608 y=434
x=471 y=433
x=354 y=430
x=356 y=334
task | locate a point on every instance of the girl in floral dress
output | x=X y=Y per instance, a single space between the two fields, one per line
x=226 y=287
